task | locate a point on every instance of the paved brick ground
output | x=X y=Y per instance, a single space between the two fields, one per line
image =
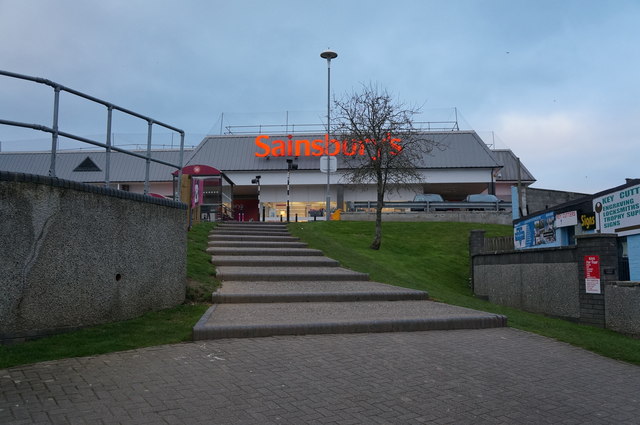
x=491 y=376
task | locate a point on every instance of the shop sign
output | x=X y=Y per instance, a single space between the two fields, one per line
x=592 y=274
x=197 y=188
x=566 y=219
x=536 y=231
x=588 y=221
x=618 y=212
x=318 y=147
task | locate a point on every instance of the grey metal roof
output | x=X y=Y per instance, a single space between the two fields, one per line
x=457 y=149
x=124 y=168
x=509 y=171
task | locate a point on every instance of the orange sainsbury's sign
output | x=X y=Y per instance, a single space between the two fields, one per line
x=318 y=147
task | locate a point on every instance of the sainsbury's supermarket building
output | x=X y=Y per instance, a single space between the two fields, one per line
x=461 y=165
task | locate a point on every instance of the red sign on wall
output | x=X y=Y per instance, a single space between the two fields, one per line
x=592 y=274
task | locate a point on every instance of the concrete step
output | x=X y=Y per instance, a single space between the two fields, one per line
x=251 y=223
x=268 y=319
x=226 y=250
x=251 y=226
x=256 y=244
x=312 y=291
x=240 y=232
x=287 y=274
x=252 y=238
x=272 y=261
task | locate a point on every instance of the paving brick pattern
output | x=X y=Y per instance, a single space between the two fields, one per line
x=488 y=376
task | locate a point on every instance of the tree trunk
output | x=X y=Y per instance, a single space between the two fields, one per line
x=377 y=241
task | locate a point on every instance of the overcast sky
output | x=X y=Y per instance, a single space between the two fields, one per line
x=558 y=81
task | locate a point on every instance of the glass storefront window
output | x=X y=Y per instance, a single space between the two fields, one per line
x=304 y=210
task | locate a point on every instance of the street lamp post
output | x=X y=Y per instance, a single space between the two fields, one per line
x=328 y=55
x=257 y=181
x=290 y=166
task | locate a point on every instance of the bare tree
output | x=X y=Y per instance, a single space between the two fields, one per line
x=379 y=144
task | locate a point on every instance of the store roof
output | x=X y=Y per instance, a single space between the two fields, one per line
x=89 y=166
x=509 y=172
x=456 y=149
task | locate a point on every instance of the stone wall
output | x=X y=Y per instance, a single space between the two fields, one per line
x=75 y=255
x=622 y=307
x=548 y=280
x=542 y=281
x=542 y=199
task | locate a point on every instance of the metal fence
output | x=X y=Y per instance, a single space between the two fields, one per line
x=499 y=243
x=56 y=132
x=434 y=206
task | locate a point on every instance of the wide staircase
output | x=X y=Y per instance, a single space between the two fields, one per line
x=273 y=284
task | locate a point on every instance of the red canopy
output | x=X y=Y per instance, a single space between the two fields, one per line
x=199 y=170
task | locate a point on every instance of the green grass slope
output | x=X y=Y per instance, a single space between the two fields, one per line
x=435 y=257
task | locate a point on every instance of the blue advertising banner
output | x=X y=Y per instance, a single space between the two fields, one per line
x=535 y=231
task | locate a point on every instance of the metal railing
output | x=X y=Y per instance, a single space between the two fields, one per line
x=498 y=243
x=275 y=129
x=56 y=132
x=435 y=206
x=322 y=128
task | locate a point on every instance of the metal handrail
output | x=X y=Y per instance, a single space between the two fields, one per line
x=321 y=128
x=55 y=132
x=430 y=206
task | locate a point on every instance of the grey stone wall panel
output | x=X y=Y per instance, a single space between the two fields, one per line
x=73 y=257
x=551 y=289
x=622 y=308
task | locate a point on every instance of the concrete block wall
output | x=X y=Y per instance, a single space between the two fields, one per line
x=540 y=281
x=621 y=307
x=541 y=199
x=75 y=255
x=549 y=280
x=592 y=306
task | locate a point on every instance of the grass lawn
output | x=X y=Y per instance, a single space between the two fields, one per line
x=154 y=328
x=434 y=257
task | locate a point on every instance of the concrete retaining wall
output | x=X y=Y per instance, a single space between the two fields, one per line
x=75 y=255
x=549 y=280
x=540 y=282
x=489 y=217
x=622 y=307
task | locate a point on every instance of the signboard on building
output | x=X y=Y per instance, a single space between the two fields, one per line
x=566 y=219
x=592 y=274
x=588 y=221
x=328 y=162
x=535 y=232
x=618 y=212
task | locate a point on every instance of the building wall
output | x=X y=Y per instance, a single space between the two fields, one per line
x=542 y=199
x=278 y=177
x=75 y=255
x=633 y=250
x=503 y=191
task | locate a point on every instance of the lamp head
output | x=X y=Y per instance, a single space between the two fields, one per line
x=328 y=55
